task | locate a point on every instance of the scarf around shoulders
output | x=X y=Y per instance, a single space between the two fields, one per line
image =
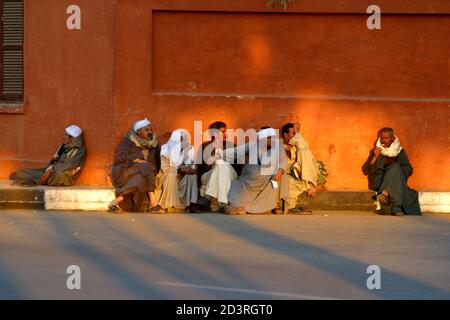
x=393 y=150
x=141 y=142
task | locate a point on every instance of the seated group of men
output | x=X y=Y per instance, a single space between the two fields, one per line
x=267 y=174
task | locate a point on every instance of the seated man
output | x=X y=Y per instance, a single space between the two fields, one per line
x=63 y=169
x=179 y=175
x=134 y=168
x=260 y=186
x=303 y=171
x=388 y=170
x=215 y=173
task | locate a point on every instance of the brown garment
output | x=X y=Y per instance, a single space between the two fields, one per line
x=133 y=179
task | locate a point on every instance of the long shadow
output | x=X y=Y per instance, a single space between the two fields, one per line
x=116 y=271
x=9 y=288
x=348 y=269
x=176 y=267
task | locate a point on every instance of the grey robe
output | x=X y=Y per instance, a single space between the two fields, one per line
x=253 y=191
x=391 y=174
x=67 y=163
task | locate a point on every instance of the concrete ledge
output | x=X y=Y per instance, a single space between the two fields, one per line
x=96 y=198
x=78 y=198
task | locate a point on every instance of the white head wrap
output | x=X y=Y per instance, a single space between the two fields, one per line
x=178 y=151
x=141 y=124
x=74 y=131
x=265 y=133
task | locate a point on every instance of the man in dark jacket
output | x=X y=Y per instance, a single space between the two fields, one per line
x=63 y=169
x=388 y=170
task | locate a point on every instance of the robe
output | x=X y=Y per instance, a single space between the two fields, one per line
x=391 y=175
x=253 y=189
x=216 y=178
x=130 y=179
x=303 y=169
x=67 y=163
x=177 y=190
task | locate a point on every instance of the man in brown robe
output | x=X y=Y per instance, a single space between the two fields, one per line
x=63 y=169
x=134 y=168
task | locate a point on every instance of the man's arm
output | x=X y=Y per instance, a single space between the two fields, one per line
x=73 y=161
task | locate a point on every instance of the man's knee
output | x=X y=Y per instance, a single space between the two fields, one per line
x=58 y=179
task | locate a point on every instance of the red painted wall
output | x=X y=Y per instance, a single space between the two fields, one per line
x=180 y=61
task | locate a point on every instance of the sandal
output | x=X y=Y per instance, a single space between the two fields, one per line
x=156 y=209
x=234 y=210
x=114 y=208
x=383 y=198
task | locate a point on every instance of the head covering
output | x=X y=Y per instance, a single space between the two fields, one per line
x=141 y=124
x=74 y=131
x=393 y=150
x=265 y=133
x=178 y=151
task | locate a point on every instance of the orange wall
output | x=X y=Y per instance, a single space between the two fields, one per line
x=180 y=61
x=68 y=79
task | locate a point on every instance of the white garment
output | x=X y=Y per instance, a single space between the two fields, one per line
x=393 y=150
x=217 y=181
x=265 y=133
x=178 y=149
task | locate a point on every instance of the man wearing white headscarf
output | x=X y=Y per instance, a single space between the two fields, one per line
x=134 y=168
x=263 y=180
x=388 y=170
x=179 y=175
x=63 y=169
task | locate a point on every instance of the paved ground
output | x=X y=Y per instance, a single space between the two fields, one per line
x=213 y=256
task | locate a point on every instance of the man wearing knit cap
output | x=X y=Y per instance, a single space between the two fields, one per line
x=63 y=169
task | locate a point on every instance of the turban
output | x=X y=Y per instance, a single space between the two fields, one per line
x=141 y=124
x=265 y=133
x=74 y=131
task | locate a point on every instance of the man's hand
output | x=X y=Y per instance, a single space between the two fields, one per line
x=187 y=170
x=44 y=178
x=376 y=153
x=277 y=176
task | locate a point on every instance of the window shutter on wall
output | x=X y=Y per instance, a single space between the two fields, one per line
x=12 y=50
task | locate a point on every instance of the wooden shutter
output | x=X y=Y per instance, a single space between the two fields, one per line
x=11 y=50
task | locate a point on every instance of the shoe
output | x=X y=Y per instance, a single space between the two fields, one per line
x=277 y=211
x=301 y=210
x=193 y=208
x=383 y=198
x=156 y=209
x=114 y=208
x=214 y=205
x=203 y=203
x=234 y=210
x=398 y=214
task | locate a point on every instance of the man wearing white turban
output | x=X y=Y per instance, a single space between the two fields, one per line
x=263 y=180
x=134 y=168
x=388 y=170
x=179 y=174
x=63 y=169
